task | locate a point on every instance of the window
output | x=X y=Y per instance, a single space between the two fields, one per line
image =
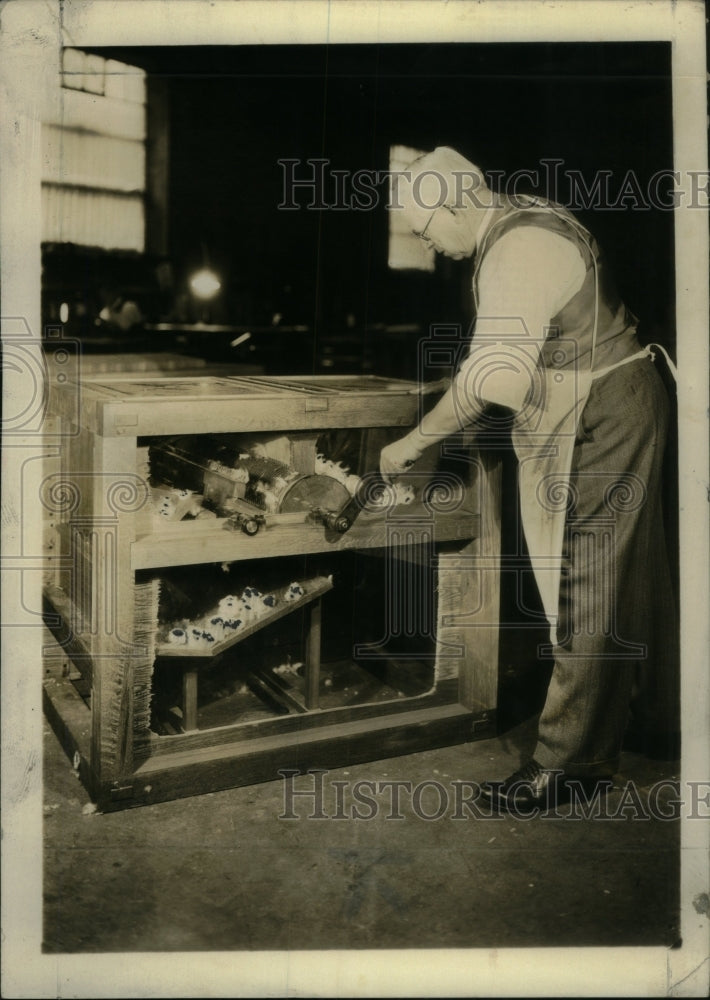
x=406 y=251
x=93 y=174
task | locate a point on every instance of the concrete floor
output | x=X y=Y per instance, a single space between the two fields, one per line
x=223 y=872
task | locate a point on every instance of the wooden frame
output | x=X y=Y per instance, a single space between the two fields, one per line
x=100 y=604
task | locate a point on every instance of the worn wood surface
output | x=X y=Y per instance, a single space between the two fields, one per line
x=189 y=698
x=70 y=718
x=226 y=766
x=312 y=658
x=188 y=542
x=114 y=612
x=111 y=612
x=144 y=406
x=469 y=598
x=59 y=614
x=303 y=452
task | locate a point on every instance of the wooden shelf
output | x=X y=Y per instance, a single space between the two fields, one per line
x=313 y=589
x=186 y=543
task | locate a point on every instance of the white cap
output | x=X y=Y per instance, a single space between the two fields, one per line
x=442 y=177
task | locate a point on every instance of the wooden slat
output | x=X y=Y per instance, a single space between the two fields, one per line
x=182 y=417
x=188 y=543
x=313 y=649
x=446 y=693
x=474 y=615
x=154 y=406
x=314 y=589
x=226 y=766
x=275 y=688
x=373 y=729
x=70 y=720
x=59 y=614
x=303 y=453
x=189 y=698
x=121 y=672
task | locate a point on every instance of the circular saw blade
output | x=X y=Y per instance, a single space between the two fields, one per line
x=309 y=492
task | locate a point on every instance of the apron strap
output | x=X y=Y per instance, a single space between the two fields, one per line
x=646 y=352
x=671 y=367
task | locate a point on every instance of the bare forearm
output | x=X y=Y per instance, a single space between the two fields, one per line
x=456 y=410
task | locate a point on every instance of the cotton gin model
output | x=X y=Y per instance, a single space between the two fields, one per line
x=238 y=592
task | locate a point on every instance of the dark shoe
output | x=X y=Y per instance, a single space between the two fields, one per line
x=532 y=787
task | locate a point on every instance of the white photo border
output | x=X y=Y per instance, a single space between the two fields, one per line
x=33 y=32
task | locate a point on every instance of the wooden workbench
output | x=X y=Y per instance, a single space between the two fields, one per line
x=102 y=596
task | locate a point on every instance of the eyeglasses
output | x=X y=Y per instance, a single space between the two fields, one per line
x=423 y=235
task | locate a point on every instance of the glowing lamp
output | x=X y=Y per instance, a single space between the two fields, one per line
x=205 y=284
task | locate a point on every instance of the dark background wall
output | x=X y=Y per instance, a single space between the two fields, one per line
x=233 y=112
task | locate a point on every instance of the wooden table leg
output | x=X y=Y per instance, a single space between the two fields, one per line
x=313 y=641
x=189 y=700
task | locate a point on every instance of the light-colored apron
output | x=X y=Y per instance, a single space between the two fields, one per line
x=544 y=438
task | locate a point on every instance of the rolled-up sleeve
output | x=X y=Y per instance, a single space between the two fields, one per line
x=524 y=280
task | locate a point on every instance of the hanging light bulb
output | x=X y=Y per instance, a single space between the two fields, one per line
x=205 y=284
